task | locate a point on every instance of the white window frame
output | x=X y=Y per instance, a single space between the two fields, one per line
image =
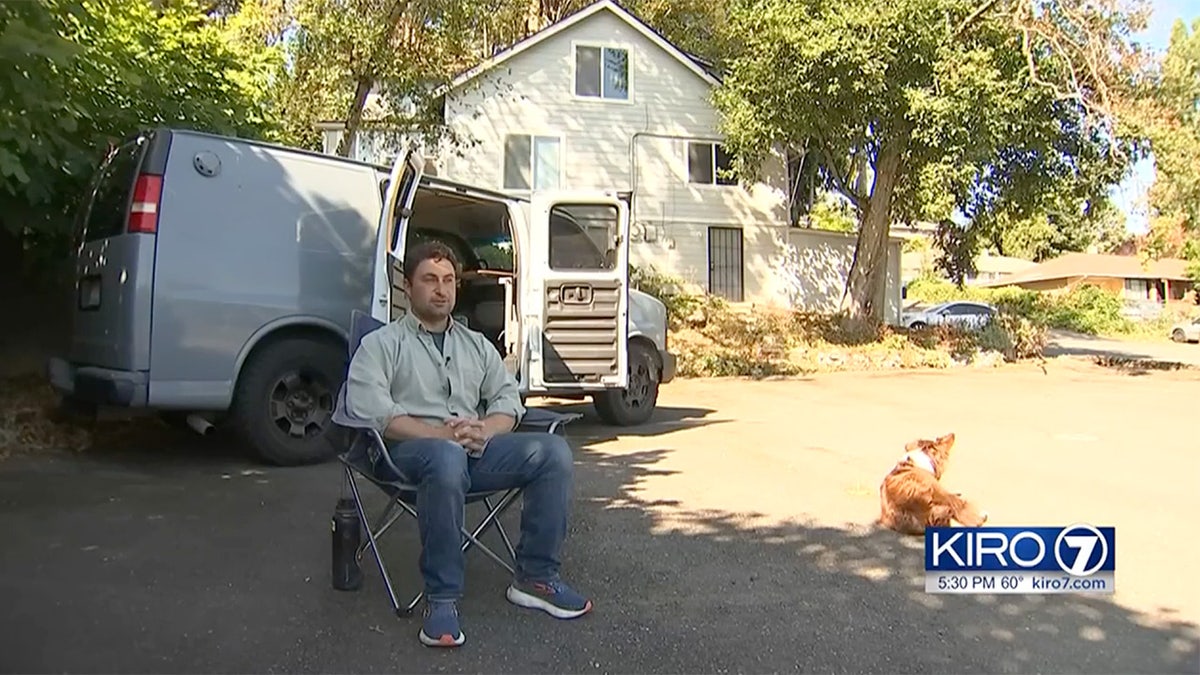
x=687 y=168
x=615 y=46
x=533 y=137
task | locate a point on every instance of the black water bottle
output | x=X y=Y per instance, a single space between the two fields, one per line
x=347 y=575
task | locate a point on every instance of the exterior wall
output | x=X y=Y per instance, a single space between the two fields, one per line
x=811 y=274
x=607 y=144
x=1066 y=283
x=681 y=249
x=1107 y=283
x=1048 y=285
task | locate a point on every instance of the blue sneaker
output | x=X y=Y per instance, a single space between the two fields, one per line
x=553 y=597
x=441 y=625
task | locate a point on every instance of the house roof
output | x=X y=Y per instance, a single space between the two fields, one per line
x=698 y=66
x=1073 y=265
x=1001 y=263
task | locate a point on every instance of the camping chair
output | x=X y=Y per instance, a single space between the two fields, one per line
x=366 y=448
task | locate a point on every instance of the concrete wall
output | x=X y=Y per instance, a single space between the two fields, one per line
x=811 y=272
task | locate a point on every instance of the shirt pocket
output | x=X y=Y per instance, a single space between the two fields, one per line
x=470 y=380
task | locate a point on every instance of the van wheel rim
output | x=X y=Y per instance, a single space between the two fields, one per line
x=300 y=405
x=638 y=391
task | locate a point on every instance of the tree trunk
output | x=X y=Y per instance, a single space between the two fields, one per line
x=366 y=80
x=867 y=284
x=362 y=89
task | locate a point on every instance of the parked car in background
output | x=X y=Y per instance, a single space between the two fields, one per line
x=961 y=313
x=1186 y=331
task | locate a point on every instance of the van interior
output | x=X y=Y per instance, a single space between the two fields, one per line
x=480 y=232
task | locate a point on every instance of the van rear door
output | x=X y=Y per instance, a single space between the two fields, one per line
x=393 y=228
x=579 y=274
x=114 y=263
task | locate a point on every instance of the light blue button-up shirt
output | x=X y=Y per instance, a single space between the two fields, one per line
x=398 y=370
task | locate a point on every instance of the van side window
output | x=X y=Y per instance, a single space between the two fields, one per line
x=110 y=204
x=583 y=236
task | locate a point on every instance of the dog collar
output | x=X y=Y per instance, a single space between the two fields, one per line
x=921 y=459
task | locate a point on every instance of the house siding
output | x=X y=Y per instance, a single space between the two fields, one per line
x=637 y=146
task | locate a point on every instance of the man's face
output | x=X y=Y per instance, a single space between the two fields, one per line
x=431 y=292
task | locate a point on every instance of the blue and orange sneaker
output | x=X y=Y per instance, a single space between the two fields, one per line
x=553 y=597
x=441 y=625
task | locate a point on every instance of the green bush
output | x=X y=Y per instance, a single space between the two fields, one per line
x=1088 y=309
x=669 y=290
x=1085 y=308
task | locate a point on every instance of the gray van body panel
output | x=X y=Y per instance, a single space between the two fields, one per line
x=298 y=253
x=115 y=334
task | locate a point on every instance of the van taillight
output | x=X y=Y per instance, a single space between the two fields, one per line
x=143 y=212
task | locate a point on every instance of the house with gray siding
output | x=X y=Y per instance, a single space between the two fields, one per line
x=601 y=100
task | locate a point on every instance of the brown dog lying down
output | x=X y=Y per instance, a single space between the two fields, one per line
x=912 y=497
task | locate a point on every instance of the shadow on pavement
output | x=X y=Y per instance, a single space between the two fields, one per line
x=109 y=567
x=666 y=419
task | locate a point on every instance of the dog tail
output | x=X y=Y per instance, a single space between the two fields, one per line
x=968 y=514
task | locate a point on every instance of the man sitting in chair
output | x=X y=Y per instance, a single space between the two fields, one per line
x=442 y=399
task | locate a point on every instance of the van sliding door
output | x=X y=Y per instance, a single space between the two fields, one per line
x=580 y=275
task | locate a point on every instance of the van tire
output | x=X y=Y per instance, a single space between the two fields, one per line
x=316 y=368
x=635 y=405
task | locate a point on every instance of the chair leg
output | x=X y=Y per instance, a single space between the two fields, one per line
x=362 y=514
x=493 y=516
x=472 y=538
x=512 y=553
x=469 y=538
x=388 y=522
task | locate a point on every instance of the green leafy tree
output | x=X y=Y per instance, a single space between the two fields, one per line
x=935 y=110
x=1169 y=116
x=82 y=74
x=342 y=51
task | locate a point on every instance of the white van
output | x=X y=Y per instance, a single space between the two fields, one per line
x=215 y=277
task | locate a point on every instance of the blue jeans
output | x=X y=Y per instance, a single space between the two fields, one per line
x=541 y=462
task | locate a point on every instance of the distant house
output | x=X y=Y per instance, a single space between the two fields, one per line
x=602 y=100
x=990 y=268
x=921 y=252
x=1158 y=281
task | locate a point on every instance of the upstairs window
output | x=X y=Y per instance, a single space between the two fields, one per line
x=602 y=72
x=709 y=164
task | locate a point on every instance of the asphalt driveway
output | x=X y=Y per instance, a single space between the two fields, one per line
x=731 y=535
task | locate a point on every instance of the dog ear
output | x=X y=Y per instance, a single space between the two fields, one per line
x=915 y=445
x=945 y=442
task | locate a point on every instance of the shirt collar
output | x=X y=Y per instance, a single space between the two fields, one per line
x=411 y=322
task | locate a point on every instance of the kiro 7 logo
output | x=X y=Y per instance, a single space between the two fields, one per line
x=1083 y=540
x=1080 y=550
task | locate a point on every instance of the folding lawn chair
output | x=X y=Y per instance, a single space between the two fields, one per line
x=367 y=448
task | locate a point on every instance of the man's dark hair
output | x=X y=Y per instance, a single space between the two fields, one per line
x=429 y=250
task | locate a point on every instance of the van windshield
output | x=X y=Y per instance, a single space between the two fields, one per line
x=107 y=205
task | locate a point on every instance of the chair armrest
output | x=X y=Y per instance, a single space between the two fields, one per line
x=540 y=419
x=365 y=430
